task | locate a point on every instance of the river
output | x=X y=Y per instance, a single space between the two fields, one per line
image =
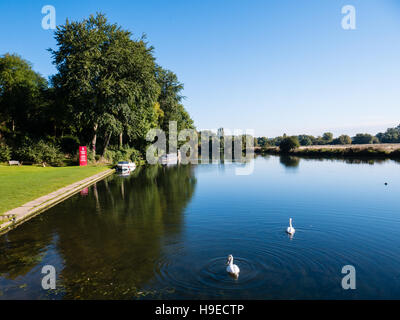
x=165 y=233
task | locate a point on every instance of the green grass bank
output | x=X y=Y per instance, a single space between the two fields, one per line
x=19 y=185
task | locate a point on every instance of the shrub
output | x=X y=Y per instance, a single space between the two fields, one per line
x=364 y=138
x=343 y=139
x=124 y=154
x=40 y=153
x=305 y=141
x=5 y=152
x=327 y=137
x=288 y=144
x=375 y=140
x=90 y=157
x=69 y=144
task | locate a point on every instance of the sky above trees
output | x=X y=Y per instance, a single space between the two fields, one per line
x=272 y=66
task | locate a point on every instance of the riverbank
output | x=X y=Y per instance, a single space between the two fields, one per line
x=385 y=151
x=25 y=191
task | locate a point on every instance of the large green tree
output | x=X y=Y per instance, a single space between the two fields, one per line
x=306 y=140
x=364 y=138
x=343 y=139
x=392 y=135
x=21 y=93
x=327 y=137
x=170 y=101
x=100 y=70
x=288 y=144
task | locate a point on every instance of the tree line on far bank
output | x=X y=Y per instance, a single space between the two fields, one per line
x=391 y=135
x=107 y=93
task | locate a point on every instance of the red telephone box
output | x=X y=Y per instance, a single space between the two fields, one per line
x=83 y=156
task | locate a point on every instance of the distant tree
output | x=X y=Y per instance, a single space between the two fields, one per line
x=343 y=139
x=288 y=144
x=327 y=137
x=247 y=140
x=262 y=142
x=364 y=138
x=255 y=142
x=319 y=141
x=392 y=135
x=379 y=136
x=305 y=140
x=375 y=140
x=276 y=141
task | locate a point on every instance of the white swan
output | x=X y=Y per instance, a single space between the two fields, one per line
x=232 y=269
x=290 y=229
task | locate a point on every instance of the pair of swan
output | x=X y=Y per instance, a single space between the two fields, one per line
x=234 y=270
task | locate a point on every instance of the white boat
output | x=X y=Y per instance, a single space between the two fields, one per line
x=170 y=158
x=126 y=166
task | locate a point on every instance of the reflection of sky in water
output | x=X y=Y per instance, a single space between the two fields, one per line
x=166 y=232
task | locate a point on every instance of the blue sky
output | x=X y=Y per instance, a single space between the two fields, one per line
x=277 y=67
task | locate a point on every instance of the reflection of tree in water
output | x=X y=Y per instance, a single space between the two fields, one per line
x=109 y=241
x=366 y=161
x=349 y=160
x=289 y=161
x=111 y=252
x=22 y=249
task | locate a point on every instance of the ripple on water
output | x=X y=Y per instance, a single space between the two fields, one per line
x=210 y=276
x=269 y=261
x=213 y=274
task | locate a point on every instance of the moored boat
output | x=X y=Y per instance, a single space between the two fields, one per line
x=170 y=158
x=126 y=166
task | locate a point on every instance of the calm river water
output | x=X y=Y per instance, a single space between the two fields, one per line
x=165 y=233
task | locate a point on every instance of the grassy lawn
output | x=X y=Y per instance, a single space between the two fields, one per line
x=19 y=185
